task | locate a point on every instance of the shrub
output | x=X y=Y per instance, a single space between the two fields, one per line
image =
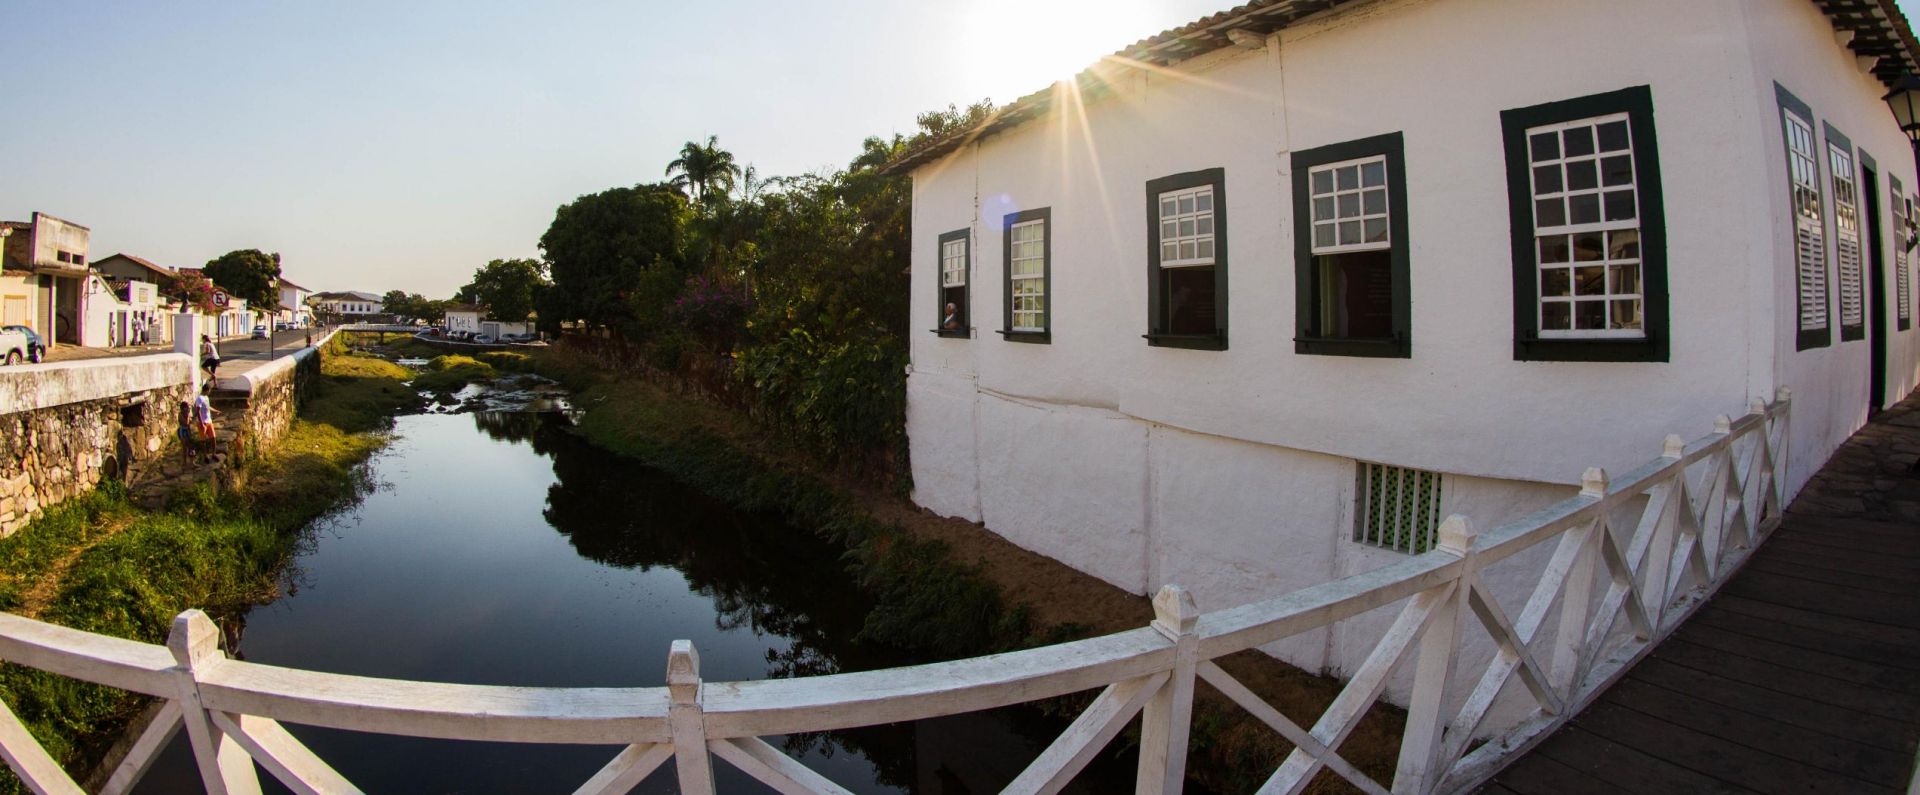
x=450 y=373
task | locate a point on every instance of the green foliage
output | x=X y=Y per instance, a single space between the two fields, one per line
x=194 y=290
x=413 y=306
x=507 y=361
x=100 y=564
x=599 y=248
x=250 y=274
x=704 y=170
x=508 y=288
x=841 y=396
x=925 y=600
x=450 y=373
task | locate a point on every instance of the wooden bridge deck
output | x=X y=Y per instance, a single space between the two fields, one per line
x=1802 y=675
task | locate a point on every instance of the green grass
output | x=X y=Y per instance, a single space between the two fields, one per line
x=450 y=373
x=100 y=564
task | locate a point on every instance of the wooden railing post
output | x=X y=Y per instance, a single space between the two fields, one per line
x=1167 y=719
x=225 y=767
x=686 y=721
x=1420 y=769
x=1576 y=597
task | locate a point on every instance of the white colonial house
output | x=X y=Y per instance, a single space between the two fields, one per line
x=472 y=319
x=1256 y=302
x=350 y=306
x=293 y=304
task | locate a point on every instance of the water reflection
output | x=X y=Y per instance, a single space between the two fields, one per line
x=506 y=550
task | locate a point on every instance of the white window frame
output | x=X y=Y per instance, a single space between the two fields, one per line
x=1808 y=198
x=953 y=263
x=1359 y=190
x=1033 y=284
x=1846 y=236
x=1608 y=295
x=1902 y=279
x=1183 y=209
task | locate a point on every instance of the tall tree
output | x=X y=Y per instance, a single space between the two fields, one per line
x=249 y=274
x=704 y=170
x=602 y=247
x=507 y=287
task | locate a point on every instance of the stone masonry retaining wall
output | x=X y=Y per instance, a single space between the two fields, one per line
x=63 y=427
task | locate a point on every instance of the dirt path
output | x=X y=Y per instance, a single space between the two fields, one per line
x=48 y=585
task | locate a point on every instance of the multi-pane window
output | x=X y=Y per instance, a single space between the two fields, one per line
x=1903 y=235
x=1187 y=260
x=954 y=267
x=1350 y=269
x=1846 y=240
x=1186 y=228
x=1396 y=508
x=1586 y=228
x=1350 y=206
x=1809 y=227
x=1027 y=276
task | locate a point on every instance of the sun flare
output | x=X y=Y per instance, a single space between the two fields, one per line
x=1021 y=46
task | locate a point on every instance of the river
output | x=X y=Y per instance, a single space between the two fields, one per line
x=499 y=548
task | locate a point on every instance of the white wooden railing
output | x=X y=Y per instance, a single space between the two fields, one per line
x=1648 y=546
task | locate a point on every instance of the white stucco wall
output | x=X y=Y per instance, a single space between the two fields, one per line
x=1791 y=44
x=1231 y=472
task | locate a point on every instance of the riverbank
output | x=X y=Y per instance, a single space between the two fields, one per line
x=104 y=564
x=946 y=586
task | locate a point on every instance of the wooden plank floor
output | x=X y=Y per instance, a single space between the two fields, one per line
x=1802 y=675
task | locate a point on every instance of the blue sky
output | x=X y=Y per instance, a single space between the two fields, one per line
x=388 y=146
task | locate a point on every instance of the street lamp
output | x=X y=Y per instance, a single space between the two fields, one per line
x=1904 y=99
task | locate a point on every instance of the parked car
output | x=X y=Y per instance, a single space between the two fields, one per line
x=260 y=332
x=20 y=344
x=483 y=339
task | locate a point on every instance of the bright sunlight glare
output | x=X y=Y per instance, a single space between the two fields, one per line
x=1021 y=46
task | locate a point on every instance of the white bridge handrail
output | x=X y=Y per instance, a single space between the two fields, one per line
x=1701 y=508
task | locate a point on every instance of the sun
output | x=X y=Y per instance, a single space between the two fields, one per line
x=1016 y=47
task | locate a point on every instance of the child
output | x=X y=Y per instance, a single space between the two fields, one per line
x=203 y=418
x=209 y=357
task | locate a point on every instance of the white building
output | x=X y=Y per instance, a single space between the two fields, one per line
x=472 y=319
x=1475 y=246
x=121 y=312
x=293 y=304
x=350 y=306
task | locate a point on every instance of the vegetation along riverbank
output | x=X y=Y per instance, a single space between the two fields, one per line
x=945 y=587
x=217 y=539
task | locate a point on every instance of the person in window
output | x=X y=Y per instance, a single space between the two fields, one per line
x=952 y=321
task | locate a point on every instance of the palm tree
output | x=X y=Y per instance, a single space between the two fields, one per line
x=702 y=170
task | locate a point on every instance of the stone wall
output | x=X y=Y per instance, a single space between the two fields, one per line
x=269 y=395
x=65 y=427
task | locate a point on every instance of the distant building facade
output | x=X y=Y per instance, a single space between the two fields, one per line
x=46 y=263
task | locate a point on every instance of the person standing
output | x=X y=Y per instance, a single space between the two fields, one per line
x=209 y=357
x=203 y=420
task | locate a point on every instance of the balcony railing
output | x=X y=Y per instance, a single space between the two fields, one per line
x=1630 y=559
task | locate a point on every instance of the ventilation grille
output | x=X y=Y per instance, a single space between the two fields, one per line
x=1399 y=508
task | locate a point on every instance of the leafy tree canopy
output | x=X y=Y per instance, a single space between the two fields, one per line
x=600 y=246
x=508 y=288
x=249 y=274
x=704 y=170
x=192 y=290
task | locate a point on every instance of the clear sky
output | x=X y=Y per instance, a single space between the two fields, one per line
x=400 y=145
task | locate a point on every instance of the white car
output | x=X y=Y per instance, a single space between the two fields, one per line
x=15 y=347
